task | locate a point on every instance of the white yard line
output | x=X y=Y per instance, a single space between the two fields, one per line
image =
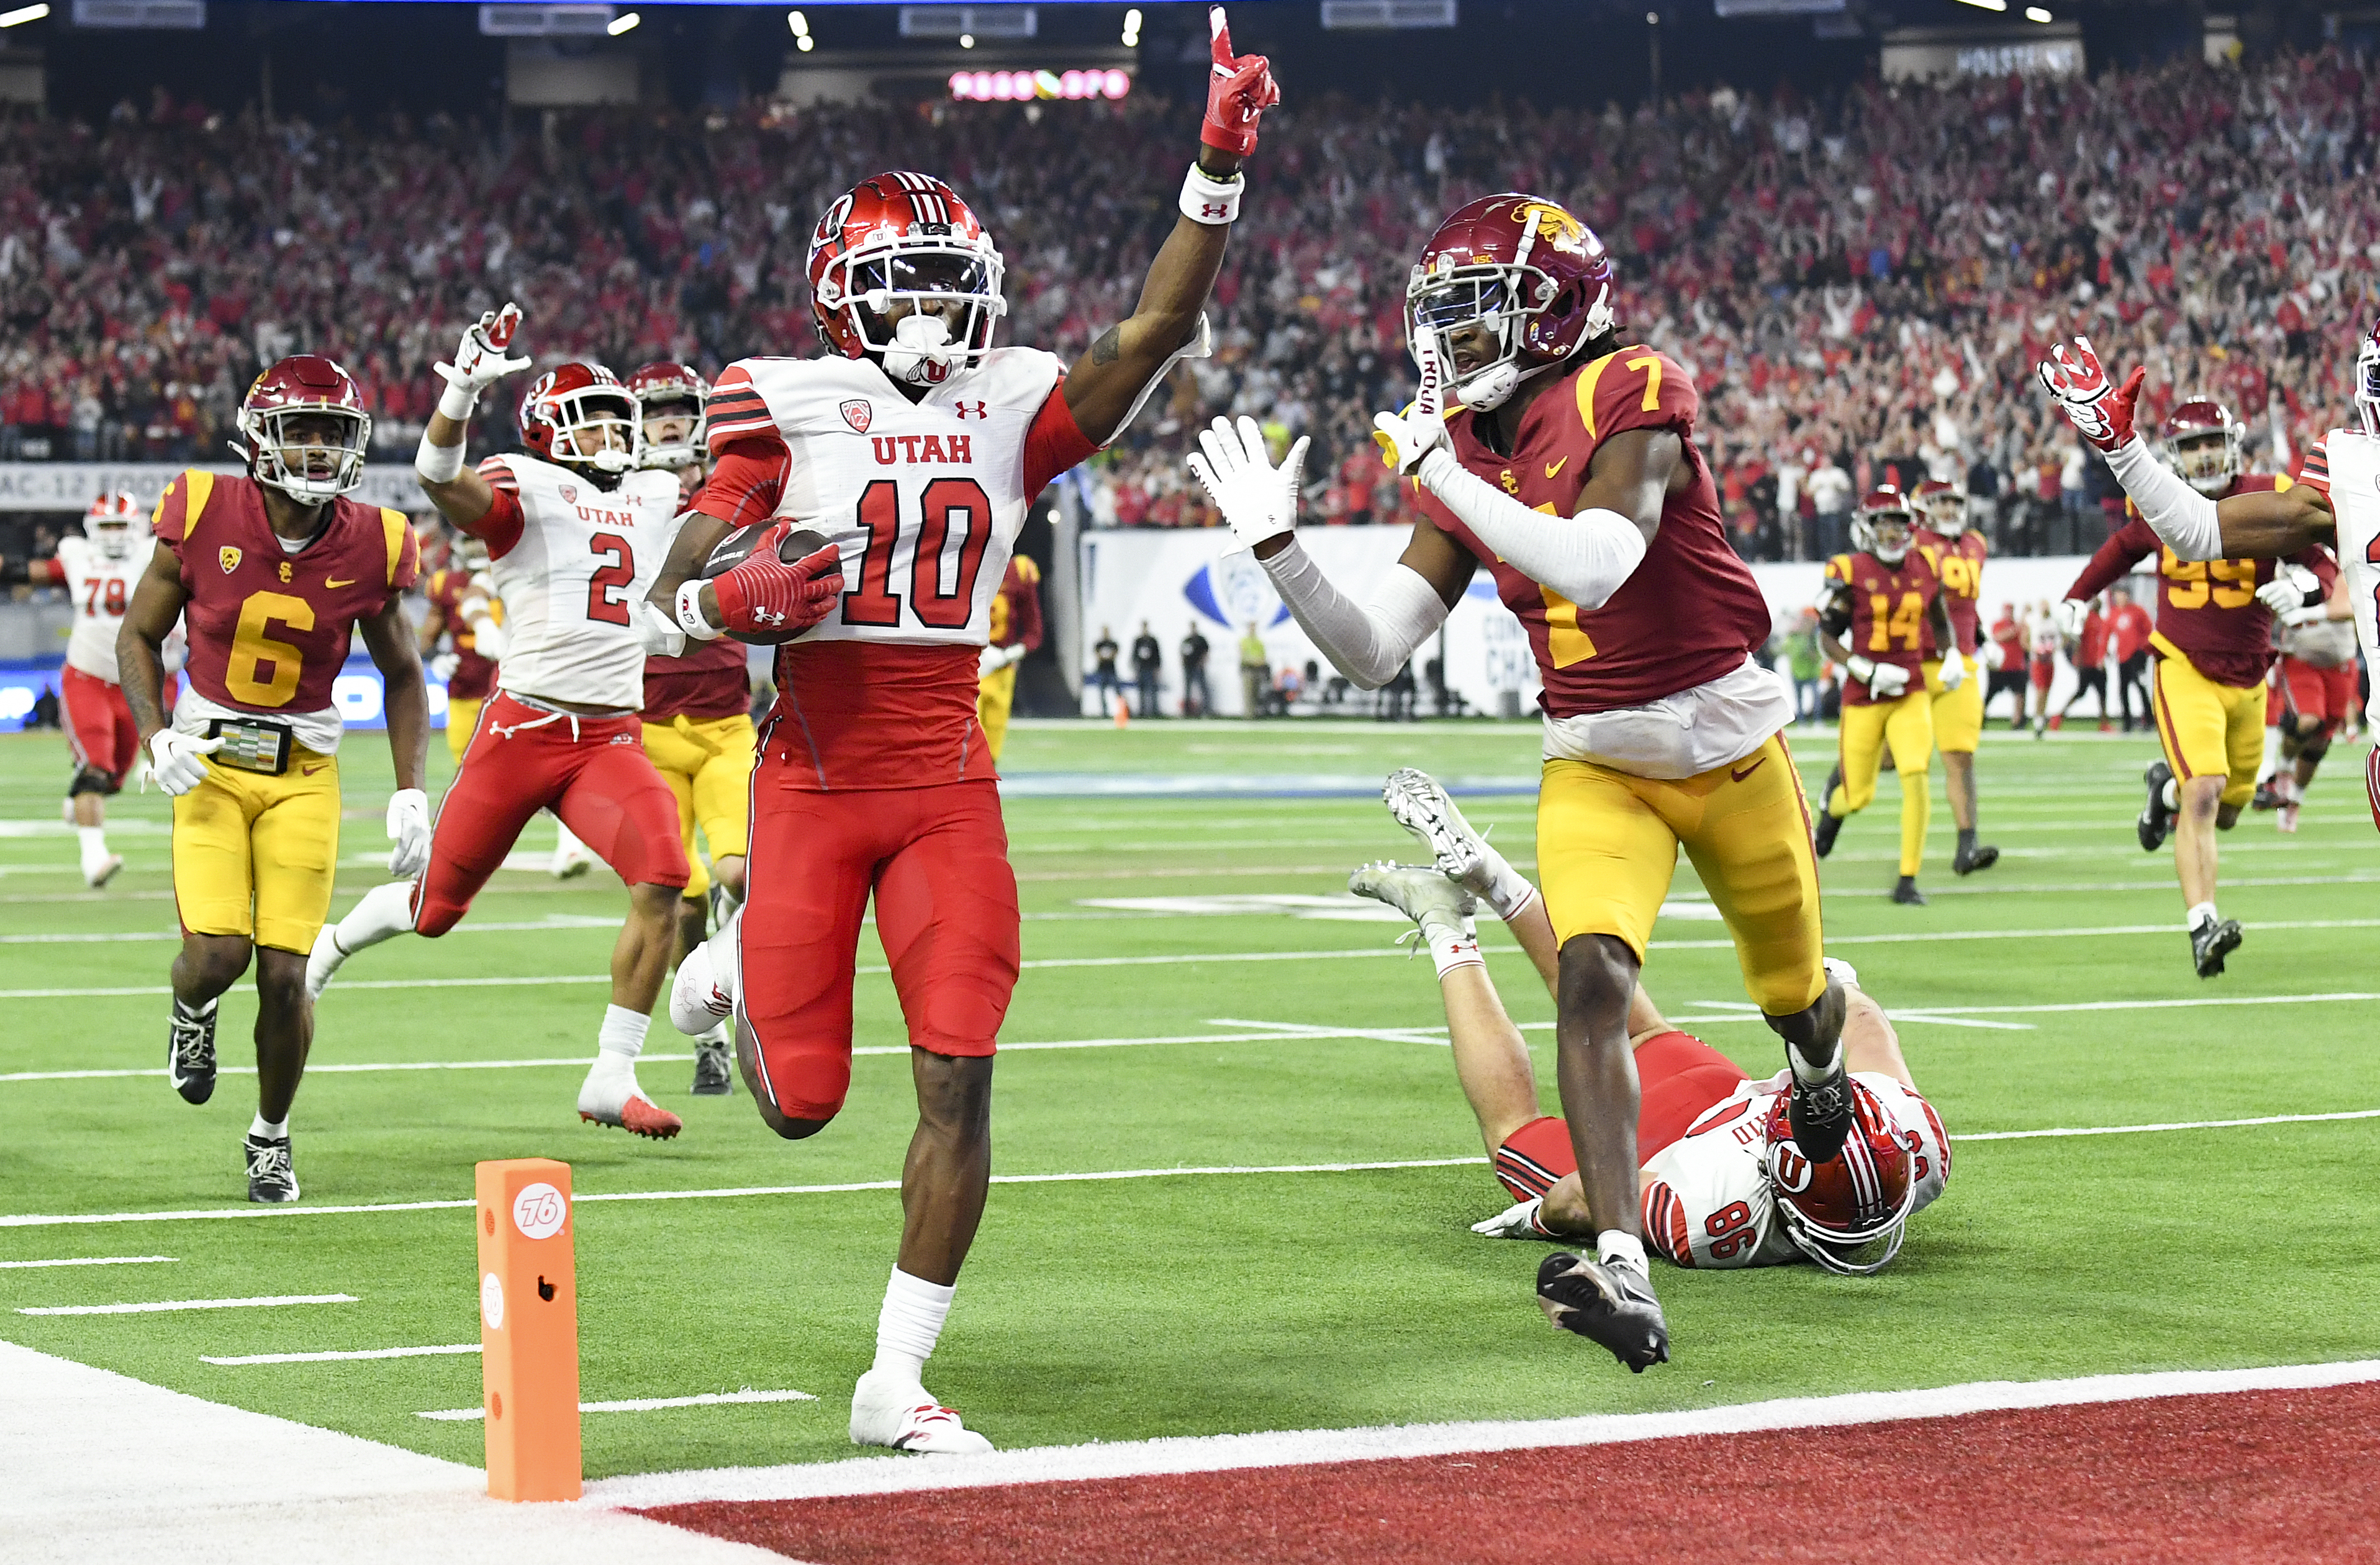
x=642 y=1404
x=554 y=921
x=2143 y=1130
x=165 y=1304
x=345 y=1357
x=1211 y=1453
x=579 y=1059
x=94 y=1260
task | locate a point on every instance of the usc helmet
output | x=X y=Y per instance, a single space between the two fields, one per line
x=567 y=404
x=1884 y=525
x=1836 y=1212
x=2209 y=465
x=1527 y=269
x=114 y=523
x=304 y=386
x=661 y=388
x=905 y=238
x=2367 y=380
x=1941 y=508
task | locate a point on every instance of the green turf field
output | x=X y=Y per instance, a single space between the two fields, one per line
x=1214 y=1301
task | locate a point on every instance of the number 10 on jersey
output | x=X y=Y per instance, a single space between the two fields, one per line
x=948 y=534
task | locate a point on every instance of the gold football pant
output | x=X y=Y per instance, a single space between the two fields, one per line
x=994 y=697
x=1607 y=845
x=462 y=719
x=1958 y=714
x=1905 y=722
x=708 y=764
x=254 y=856
x=2210 y=730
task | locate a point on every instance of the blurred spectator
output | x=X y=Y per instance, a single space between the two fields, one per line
x=1255 y=671
x=1196 y=697
x=2090 y=665
x=2129 y=628
x=2008 y=659
x=1148 y=659
x=1103 y=675
x=1803 y=660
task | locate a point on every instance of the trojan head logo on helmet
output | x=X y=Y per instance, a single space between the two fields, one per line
x=114 y=523
x=303 y=430
x=582 y=416
x=1941 y=509
x=2204 y=445
x=902 y=272
x=1509 y=286
x=1838 y=1212
x=1884 y=525
x=670 y=402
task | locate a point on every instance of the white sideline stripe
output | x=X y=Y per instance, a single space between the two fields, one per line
x=94 y=1260
x=342 y=1357
x=579 y=1060
x=642 y=1404
x=556 y=921
x=2194 y=1124
x=1210 y=1453
x=163 y=1304
x=1931 y=936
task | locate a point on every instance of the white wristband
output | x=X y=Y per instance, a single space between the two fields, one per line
x=689 y=613
x=1862 y=669
x=1212 y=201
x=437 y=464
x=457 y=401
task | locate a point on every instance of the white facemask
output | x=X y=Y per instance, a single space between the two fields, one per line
x=921 y=354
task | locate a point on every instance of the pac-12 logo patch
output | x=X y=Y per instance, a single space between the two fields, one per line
x=228 y=557
x=569 y=494
x=858 y=413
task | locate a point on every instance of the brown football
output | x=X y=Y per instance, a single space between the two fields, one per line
x=793 y=548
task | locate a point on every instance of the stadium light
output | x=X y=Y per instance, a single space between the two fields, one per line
x=1987 y=4
x=800 y=23
x=24 y=14
x=627 y=23
x=966 y=40
x=805 y=43
x=2036 y=13
x=1132 y=27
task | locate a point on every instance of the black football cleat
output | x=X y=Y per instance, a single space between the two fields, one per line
x=2266 y=797
x=1906 y=893
x=1969 y=859
x=714 y=1073
x=190 y=1053
x=2156 y=818
x=1610 y=1304
x=2211 y=940
x=1820 y=1116
x=271 y=1176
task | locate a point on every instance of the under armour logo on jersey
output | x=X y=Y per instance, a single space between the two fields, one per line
x=858 y=413
x=968 y=410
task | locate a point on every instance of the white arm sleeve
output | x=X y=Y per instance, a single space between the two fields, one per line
x=1585 y=558
x=1366 y=644
x=2184 y=519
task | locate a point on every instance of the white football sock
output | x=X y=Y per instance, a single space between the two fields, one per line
x=94 y=848
x=384 y=913
x=1507 y=890
x=1451 y=943
x=1615 y=1248
x=622 y=1039
x=910 y=1324
x=271 y=1130
x=2272 y=762
x=2204 y=912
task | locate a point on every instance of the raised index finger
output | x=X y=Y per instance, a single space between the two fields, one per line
x=1218 y=35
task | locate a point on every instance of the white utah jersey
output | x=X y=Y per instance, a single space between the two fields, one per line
x=2354 y=488
x=1706 y=1200
x=924 y=499
x=571 y=580
x=101 y=588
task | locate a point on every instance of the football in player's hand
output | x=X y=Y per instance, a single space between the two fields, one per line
x=793 y=548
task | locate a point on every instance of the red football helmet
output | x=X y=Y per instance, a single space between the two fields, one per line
x=2204 y=445
x=1527 y=270
x=114 y=522
x=582 y=415
x=1856 y=1199
x=1884 y=525
x=905 y=238
x=1941 y=509
x=664 y=390
x=304 y=386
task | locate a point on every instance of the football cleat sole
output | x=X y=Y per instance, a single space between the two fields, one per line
x=2156 y=820
x=1421 y=805
x=1417 y=891
x=1607 y=1305
x=2211 y=943
x=714 y=1071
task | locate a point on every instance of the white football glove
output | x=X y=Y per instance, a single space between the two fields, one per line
x=1257 y=500
x=442 y=667
x=992 y=660
x=1884 y=681
x=1954 y=671
x=2067 y=614
x=2282 y=594
x=2313 y=614
x=1514 y=1223
x=488 y=637
x=480 y=360
x=409 y=827
x=1409 y=436
x=173 y=759
x=657 y=633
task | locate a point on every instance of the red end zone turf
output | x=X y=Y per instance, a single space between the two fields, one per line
x=2249 y=1476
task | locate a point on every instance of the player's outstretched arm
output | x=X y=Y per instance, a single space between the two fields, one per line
x=1109 y=384
x=461 y=495
x=149 y=619
x=388 y=636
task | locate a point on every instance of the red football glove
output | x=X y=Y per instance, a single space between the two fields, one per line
x=1239 y=89
x=763 y=594
x=2102 y=411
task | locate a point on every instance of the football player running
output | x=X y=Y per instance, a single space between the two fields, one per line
x=98 y=571
x=271 y=572
x=1544 y=448
x=1887 y=598
x=2214 y=641
x=1957 y=552
x=575 y=530
x=466 y=615
x=2315 y=681
x=917 y=447
x=1015 y=631
x=697 y=711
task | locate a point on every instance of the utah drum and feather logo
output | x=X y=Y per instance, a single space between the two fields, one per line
x=858 y=413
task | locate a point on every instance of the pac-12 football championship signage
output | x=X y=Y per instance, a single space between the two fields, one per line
x=72 y=486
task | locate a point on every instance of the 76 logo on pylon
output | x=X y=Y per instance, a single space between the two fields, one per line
x=539 y=1211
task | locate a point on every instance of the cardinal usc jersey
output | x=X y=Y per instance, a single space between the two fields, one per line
x=268 y=626
x=2344 y=466
x=475 y=674
x=1706 y=1197
x=570 y=560
x=1690 y=613
x=2207 y=609
x=1886 y=607
x=925 y=500
x=1016 y=608
x=1960 y=565
x=101 y=588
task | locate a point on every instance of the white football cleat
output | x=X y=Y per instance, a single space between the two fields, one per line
x=1841 y=971
x=703 y=993
x=104 y=870
x=610 y=1095
x=1516 y=1221
x=888 y=1411
x=571 y=859
x=322 y=962
x=1424 y=808
x=1417 y=891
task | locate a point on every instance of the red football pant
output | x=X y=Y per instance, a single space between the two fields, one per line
x=937 y=861
x=1678 y=1076
x=98 y=720
x=592 y=771
x=2320 y=696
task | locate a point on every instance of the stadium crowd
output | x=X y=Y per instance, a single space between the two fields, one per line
x=1860 y=283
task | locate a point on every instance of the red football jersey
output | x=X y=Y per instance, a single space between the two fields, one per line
x=1692 y=612
x=2207 y=609
x=1887 y=611
x=711 y=681
x=474 y=675
x=1959 y=563
x=269 y=628
x=1017 y=611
